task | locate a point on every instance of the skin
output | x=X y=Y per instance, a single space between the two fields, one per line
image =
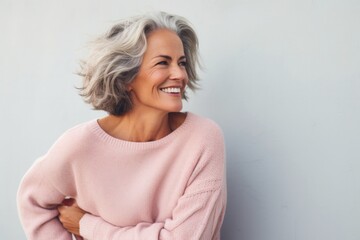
x=154 y=114
x=70 y=216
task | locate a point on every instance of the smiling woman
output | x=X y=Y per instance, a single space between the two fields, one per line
x=116 y=57
x=144 y=171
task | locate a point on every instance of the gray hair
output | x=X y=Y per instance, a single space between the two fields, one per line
x=115 y=59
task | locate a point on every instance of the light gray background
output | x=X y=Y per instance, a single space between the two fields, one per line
x=282 y=79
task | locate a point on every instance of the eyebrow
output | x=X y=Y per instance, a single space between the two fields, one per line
x=169 y=58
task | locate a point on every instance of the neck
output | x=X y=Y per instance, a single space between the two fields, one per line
x=137 y=126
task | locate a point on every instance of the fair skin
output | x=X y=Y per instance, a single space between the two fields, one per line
x=157 y=99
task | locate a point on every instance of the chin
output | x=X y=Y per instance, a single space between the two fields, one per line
x=174 y=109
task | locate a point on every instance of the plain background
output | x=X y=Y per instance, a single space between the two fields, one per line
x=282 y=79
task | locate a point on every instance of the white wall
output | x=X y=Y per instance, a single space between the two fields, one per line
x=282 y=78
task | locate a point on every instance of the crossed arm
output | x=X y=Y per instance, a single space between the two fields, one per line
x=202 y=220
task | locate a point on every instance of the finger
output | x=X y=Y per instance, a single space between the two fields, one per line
x=62 y=209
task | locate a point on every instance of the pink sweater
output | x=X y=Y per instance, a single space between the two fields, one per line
x=171 y=188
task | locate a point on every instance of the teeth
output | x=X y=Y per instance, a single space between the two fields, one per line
x=170 y=90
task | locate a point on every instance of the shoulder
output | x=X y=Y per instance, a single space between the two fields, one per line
x=74 y=138
x=80 y=129
x=69 y=148
x=205 y=131
x=205 y=125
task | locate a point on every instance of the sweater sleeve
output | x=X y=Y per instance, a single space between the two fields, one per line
x=199 y=211
x=41 y=190
x=37 y=203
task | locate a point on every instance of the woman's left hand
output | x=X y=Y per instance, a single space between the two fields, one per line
x=70 y=215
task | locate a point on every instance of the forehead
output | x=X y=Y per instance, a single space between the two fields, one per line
x=163 y=41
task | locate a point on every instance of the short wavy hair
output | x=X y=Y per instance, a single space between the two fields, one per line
x=116 y=56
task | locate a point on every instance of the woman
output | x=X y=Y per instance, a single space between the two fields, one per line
x=145 y=171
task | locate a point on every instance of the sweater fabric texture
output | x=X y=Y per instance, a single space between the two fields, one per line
x=171 y=188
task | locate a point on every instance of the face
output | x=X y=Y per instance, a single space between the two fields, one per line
x=162 y=77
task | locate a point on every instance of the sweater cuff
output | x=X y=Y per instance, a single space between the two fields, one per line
x=88 y=225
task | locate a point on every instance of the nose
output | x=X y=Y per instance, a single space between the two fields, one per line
x=178 y=73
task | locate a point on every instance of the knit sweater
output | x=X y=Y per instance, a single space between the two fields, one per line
x=171 y=188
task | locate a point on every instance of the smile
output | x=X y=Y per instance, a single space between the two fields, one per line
x=171 y=90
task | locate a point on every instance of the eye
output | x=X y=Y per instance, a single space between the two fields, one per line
x=162 y=63
x=183 y=63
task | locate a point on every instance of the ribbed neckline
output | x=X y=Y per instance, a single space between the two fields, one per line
x=105 y=137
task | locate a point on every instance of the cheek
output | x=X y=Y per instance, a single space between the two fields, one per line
x=157 y=76
x=147 y=80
